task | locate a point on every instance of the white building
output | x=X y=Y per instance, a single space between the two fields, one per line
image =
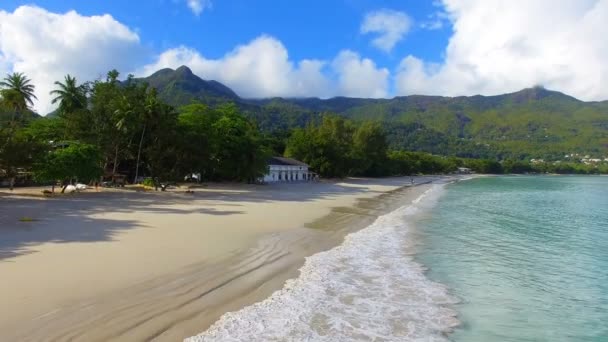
x=282 y=169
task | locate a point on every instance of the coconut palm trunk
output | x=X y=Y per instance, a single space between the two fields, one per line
x=141 y=142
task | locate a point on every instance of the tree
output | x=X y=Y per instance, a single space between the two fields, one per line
x=151 y=107
x=369 y=150
x=17 y=149
x=160 y=148
x=400 y=163
x=109 y=119
x=241 y=155
x=18 y=154
x=72 y=100
x=70 y=95
x=198 y=140
x=484 y=166
x=326 y=147
x=76 y=162
x=21 y=91
x=16 y=93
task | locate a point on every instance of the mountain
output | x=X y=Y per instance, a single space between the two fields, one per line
x=531 y=123
x=181 y=86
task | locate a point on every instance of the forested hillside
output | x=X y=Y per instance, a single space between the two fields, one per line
x=135 y=130
x=532 y=123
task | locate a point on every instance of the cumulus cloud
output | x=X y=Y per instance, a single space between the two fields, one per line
x=46 y=46
x=262 y=68
x=501 y=46
x=359 y=77
x=389 y=25
x=198 y=6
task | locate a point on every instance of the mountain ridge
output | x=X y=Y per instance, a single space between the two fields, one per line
x=533 y=122
x=536 y=92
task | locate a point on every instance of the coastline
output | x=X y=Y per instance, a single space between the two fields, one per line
x=366 y=287
x=168 y=289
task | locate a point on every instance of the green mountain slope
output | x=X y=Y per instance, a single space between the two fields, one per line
x=181 y=86
x=532 y=123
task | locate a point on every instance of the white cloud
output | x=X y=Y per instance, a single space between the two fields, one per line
x=262 y=68
x=390 y=26
x=259 y=69
x=198 y=6
x=501 y=46
x=4 y=66
x=46 y=46
x=359 y=77
x=435 y=21
x=497 y=46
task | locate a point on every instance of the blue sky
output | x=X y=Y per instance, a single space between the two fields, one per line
x=309 y=29
x=356 y=48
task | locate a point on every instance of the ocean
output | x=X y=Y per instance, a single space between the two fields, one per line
x=527 y=257
x=487 y=259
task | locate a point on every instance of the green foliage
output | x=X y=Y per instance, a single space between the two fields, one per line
x=18 y=152
x=410 y=163
x=130 y=127
x=71 y=96
x=326 y=147
x=76 y=162
x=135 y=133
x=532 y=123
x=484 y=166
x=516 y=166
x=198 y=140
x=18 y=148
x=181 y=87
x=220 y=144
x=240 y=153
x=369 y=150
x=149 y=182
x=18 y=91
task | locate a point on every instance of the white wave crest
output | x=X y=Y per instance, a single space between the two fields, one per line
x=367 y=289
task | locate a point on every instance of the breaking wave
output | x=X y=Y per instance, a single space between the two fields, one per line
x=367 y=289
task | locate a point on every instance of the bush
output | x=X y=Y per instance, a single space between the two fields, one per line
x=148 y=182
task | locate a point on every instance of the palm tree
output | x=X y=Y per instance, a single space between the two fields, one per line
x=17 y=93
x=18 y=84
x=151 y=106
x=70 y=95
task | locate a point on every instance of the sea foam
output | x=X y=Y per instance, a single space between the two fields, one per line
x=367 y=289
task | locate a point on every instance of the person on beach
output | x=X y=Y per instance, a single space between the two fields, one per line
x=412 y=180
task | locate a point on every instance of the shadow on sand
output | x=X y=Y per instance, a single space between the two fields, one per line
x=88 y=217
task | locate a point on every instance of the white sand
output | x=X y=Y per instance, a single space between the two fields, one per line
x=93 y=257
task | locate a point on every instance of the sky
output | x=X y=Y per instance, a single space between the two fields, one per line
x=297 y=48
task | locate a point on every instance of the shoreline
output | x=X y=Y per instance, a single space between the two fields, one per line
x=185 y=301
x=327 y=296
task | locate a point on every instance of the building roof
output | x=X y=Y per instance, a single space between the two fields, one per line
x=285 y=161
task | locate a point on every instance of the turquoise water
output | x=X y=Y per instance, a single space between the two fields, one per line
x=526 y=256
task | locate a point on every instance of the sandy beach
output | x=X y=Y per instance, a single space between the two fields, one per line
x=131 y=266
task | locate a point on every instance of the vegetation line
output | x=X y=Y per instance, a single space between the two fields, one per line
x=119 y=132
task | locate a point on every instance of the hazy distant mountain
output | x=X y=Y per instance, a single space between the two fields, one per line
x=533 y=122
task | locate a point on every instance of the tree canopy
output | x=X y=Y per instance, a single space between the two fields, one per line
x=114 y=128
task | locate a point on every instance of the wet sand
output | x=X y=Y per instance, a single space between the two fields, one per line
x=129 y=266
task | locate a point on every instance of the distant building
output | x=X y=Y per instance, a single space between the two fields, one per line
x=464 y=170
x=282 y=169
